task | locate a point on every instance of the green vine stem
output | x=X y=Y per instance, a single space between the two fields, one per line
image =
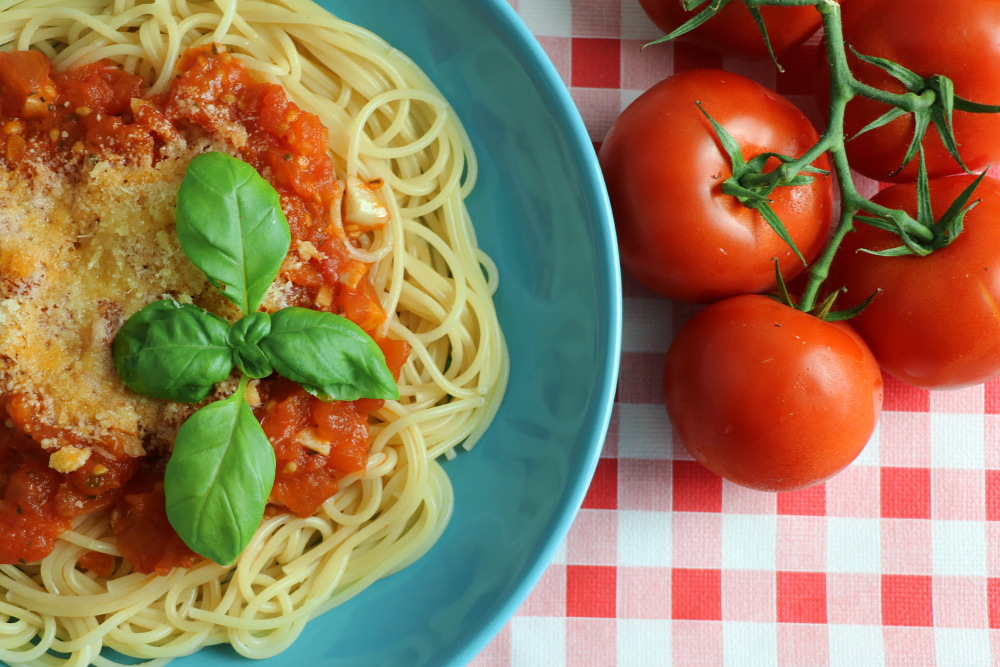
x=930 y=101
x=843 y=87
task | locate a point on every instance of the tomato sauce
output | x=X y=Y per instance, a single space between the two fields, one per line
x=97 y=111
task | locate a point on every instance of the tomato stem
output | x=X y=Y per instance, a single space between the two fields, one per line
x=831 y=142
x=843 y=88
x=930 y=101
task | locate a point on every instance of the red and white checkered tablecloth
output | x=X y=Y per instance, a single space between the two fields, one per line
x=895 y=561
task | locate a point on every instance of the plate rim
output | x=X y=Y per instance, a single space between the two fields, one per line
x=527 y=47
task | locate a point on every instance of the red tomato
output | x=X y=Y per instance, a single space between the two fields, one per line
x=733 y=32
x=928 y=37
x=679 y=235
x=936 y=322
x=770 y=397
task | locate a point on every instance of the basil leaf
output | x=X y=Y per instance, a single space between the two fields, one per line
x=219 y=477
x=172 y=350
x=244 y=336
x=230 y=225
x=330 y=356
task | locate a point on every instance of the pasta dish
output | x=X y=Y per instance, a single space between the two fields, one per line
x=104 y=106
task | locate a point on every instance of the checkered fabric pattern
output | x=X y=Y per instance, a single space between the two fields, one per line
x=896 y=561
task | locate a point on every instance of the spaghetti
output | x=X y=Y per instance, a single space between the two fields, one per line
x=387 y=125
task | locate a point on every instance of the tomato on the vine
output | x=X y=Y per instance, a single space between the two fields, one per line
x=664 y=166
x=770 y=397
x=956 y=39
x=733 y=32
x=936 y=321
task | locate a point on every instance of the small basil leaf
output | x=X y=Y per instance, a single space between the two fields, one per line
x=230 y=225
x=330 y=356
x=219 y=477
x=173 y=351
x=252 y=361
x=244 y=336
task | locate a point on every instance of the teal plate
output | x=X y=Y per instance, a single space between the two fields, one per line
x=541 y=212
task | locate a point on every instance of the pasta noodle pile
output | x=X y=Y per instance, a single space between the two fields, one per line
x=386 y=121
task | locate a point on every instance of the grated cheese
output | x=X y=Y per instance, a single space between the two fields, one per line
x=79 y=254
x=68 y=459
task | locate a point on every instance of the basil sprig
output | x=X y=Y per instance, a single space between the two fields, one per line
x=219 y=477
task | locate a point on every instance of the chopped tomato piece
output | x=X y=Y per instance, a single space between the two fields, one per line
x=304 y=274
x=28 y=526
x=32 y=487
x=102 y=87
x=24 y=74
x=334 y=260
x=101 y=564
x=315 y=444
x=303 y=489
x=361 y=305
x=94 y=486
x=26 y=537
x=396 y=353
x=287 y=413
x=145 y=537
x=338 y=423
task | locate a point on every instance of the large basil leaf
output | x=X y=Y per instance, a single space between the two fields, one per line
x=219 y=477
x=174 y=351
x=230 y=225
x=330 y=356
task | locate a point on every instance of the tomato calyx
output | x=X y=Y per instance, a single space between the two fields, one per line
x=713 y=8
x=923 y=100
x=931 y=100
x=755 y=193
x=937 y=234
x=824 y=309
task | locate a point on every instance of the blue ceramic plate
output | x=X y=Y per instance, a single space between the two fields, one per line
x=541 y=212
